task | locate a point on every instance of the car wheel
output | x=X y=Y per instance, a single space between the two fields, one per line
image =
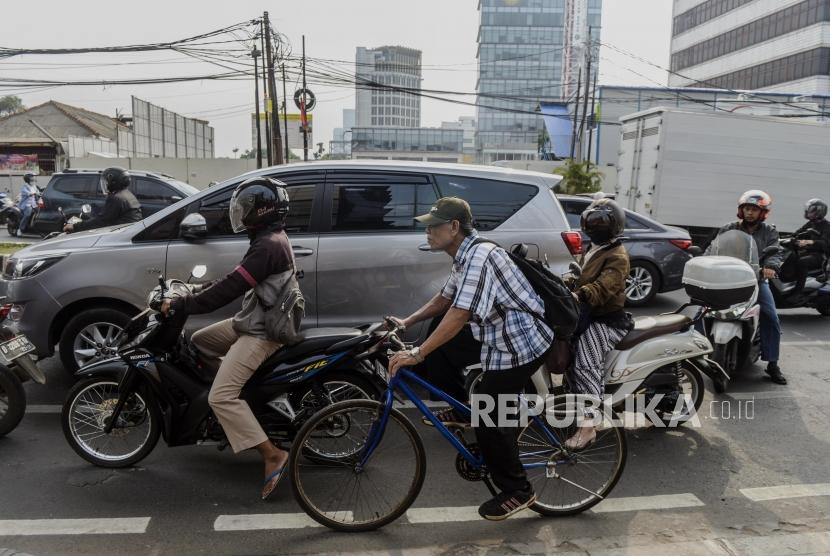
x=89 y=337
x=642 y=284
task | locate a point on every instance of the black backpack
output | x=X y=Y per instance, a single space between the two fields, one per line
x=561 y=308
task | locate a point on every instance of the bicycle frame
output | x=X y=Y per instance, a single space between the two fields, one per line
x=399 y=383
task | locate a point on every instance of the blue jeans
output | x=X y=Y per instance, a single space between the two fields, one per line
x=770 y=325
x=24 y=218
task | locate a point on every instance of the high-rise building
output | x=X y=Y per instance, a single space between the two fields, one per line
x=771 y=45
x=522 y=45
x=341 y=142
x=391 y=66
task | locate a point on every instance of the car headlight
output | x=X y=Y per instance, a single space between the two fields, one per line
x=17 y=269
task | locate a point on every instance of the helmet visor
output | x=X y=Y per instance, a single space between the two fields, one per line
x=236 y=212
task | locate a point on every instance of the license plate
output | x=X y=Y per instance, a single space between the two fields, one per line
x=16 y=347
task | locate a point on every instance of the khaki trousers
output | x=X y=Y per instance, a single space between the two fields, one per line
x=240 y=355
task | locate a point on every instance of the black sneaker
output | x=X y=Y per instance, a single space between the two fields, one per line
x=505 y=504
x=774 y=372
x=449 y=418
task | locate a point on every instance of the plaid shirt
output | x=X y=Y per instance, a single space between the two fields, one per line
x=506 y=314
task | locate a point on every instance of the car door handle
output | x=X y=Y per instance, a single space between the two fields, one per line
x=425 y=247
x=303 y=252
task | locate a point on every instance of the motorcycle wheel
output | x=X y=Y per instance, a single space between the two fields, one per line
x=695 y=382
x=12 y=401
x=720 y=356
x=824 y=309
x=85 y=412
x=11 y=225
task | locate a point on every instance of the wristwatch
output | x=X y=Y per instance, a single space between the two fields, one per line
x=416 y=353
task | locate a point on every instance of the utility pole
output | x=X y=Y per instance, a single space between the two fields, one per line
x=285 y=114
x=255 y=54
x=593 y=123
x=269 y=154
x=276 y=137
x=305 y=118
x=576 y=114
x=585 y=100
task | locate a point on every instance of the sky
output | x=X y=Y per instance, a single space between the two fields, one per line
x=444 y=30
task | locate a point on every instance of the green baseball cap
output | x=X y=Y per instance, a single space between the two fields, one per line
x=446 y=210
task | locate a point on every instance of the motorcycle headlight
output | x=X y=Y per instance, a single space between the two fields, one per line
x=17 y=269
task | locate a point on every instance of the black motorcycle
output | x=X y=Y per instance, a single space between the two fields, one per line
x=157 y=386
x=16 y=367
x=792 y=288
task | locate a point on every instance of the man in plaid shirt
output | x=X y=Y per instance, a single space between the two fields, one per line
x=506 y=315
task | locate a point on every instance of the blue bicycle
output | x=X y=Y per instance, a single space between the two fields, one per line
x=375 y=460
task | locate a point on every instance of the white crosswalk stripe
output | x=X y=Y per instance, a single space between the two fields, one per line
x=102 y=526
x=786 y=491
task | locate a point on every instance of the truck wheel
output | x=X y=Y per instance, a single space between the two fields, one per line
x=89 y=337
x=642 y=284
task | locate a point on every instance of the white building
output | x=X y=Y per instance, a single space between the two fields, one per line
x=393 y=67
x=467 y=124
x=771 y=45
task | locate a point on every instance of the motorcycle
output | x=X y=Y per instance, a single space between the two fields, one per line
x=86 y=212
x=14 y=214
x=16 y=367
x=157 y=385
x=663 y=359
x=790 y=291
x=6 y=203
x=735 y=332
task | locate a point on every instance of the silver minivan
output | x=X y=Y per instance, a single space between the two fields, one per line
x=361 y=253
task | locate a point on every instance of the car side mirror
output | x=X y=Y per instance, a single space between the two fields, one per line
x=175 y=199
x=193 y=226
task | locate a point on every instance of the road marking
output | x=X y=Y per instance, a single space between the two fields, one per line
x=786 y=491
x=103 y=526
x=44 y=409
x=764 y=395
x=260 y=522
x=453 y=514
x=641 y=503
x=805 y=343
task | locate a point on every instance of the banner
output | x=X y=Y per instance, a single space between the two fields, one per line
x=19 y=163
x=559 y=126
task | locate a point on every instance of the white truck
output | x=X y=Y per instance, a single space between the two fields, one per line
x=689 y=168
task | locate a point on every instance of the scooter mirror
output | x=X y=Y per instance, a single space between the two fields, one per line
x=694 y=251
x=198 y=271
x=86 y=209
x=575 y=269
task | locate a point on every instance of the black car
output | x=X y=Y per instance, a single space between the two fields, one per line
x=658 y=253
x=71 y=189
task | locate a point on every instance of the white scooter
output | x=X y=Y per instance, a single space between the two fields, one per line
x=663 y=359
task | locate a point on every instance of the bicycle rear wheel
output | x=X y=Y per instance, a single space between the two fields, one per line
x=571 y=482
x=337 y=491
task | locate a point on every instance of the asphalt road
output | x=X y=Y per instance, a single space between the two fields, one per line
x=754 y=483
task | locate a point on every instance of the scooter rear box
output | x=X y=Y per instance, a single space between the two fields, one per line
x=719 y=282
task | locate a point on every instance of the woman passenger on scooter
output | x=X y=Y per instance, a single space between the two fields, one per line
x=258 y=206
x=600 y=290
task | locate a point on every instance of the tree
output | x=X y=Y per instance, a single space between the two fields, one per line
x=578 y=177
x=10 y=104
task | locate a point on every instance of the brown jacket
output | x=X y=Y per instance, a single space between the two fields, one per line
x=602 y=282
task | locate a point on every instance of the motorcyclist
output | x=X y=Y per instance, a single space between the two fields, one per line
x=600 y=289
x=812 y=251
x=121 y=206
x=258 y=206
x=753 y=209
x=28 y=202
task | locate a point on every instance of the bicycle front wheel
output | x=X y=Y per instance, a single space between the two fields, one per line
x=336 y=490
x=569 y=482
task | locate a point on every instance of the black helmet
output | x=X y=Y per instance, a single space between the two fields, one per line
x=258 y=203
x=115 y=179
x=603 y=220
x=815 y=209
x=28 y=177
